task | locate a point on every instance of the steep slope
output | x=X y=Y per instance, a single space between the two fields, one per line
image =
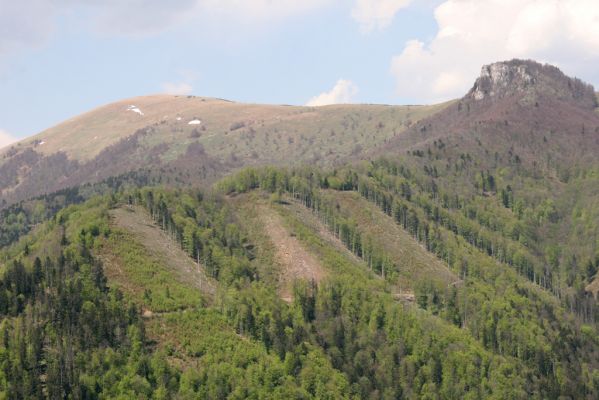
x=413 y=261
x=186 y=139
x=155 y=244
x=294 y=261
x=82 y=318
x=284 y=255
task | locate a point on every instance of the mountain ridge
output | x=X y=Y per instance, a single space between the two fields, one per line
x=549 y=119
x=200 y=136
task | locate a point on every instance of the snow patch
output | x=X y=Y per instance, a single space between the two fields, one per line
x=42 y=142
x=135 y=109
x=178 y=118
x=194 y=122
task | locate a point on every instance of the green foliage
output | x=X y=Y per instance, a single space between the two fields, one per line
x=160 y=291
x=517 y=323
x=66 y=334
x=205 y=228
x=501 y=300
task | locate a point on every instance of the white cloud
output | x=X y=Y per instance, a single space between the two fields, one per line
x=177 y=88
x=6 y=138
x=376 y=14
x=476 y=32
x=344 y=91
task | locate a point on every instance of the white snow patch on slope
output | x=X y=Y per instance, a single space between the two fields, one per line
x=135 y=109
x=194 y=122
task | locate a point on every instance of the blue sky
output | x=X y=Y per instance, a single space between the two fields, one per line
x=61 y=58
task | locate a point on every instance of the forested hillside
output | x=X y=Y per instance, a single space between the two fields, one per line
x=492 y=328
x=457 y=258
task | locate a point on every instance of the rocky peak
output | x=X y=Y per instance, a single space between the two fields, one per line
x=528 y=80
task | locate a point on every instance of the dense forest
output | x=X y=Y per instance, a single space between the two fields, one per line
x=89 y=312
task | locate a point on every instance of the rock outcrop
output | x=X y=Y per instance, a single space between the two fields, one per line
x=529 y=80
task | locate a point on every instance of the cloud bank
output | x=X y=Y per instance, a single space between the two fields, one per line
x=476 y=32
x=344 y=91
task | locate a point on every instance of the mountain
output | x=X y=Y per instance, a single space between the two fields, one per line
x=351 y=251
x=200 y=138
x=533 y=111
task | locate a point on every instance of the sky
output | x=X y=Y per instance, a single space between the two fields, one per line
x=59 y=58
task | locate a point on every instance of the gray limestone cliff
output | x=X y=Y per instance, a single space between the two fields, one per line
x=529 y=80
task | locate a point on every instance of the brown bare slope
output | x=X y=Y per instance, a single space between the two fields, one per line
x=294 y=260
x=281 y=257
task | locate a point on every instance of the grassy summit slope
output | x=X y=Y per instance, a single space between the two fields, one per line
x=83 y=137
x=188 y=139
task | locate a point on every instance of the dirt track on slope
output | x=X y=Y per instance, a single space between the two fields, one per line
x=295 y=261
